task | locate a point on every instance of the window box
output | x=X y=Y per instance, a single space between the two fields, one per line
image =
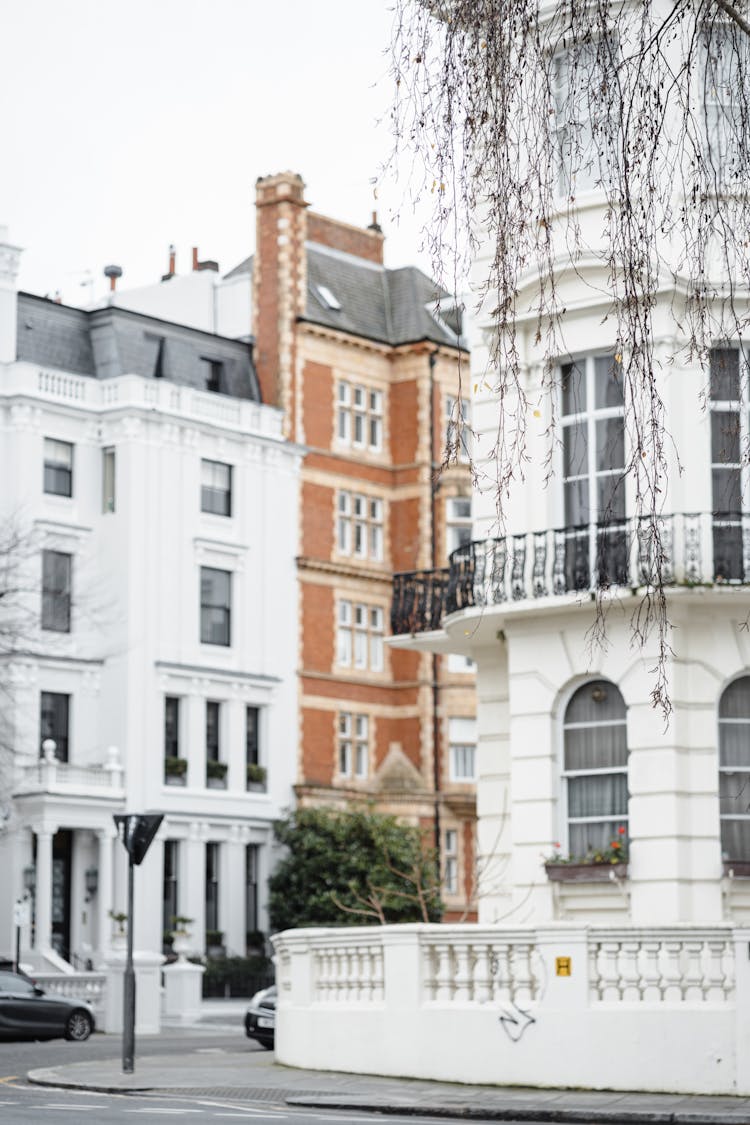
x=737 y=868
x=216 y=774
x=585 y=872
x=175 y=770
x=256 y=777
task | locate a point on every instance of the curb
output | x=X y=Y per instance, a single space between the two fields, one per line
x=571 y=1115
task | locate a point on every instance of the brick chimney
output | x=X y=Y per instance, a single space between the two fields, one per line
x=279 y=287
x=363 y=242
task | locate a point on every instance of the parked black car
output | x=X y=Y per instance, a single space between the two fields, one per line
x=260 y=1017
x=28 y=1012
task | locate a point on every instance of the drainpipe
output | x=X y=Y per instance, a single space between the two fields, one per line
x=435 y=688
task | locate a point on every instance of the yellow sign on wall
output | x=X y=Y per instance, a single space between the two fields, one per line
x=563 y=966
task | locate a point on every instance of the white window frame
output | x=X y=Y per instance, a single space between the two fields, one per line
x=353 y=745
x=359 y=525
x=359 y=416
x=457 y=527
x=360 y=631
x=722 y=100
x=210 y=471
x=739 y=407
x=731 y=771
x=462 y=749
x=589 y=417
x=109 y=474
x=450 y=861
x=566 y=775
x=590 y=174
x=58 y=456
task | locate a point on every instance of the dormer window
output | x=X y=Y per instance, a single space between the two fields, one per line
x=329 y=299
x=213 y=371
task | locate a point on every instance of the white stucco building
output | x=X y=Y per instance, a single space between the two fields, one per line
x=157 y=507
x=619 y=975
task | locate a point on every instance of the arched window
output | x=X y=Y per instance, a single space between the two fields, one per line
x=595 y=767
x=734 y=769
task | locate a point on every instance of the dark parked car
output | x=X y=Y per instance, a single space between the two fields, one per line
x=28 y=1012
x=260 y=1017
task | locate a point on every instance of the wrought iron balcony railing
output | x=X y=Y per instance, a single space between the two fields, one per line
x=694 y=549
x=419 y=599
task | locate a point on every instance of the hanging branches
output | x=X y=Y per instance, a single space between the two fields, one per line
x=518 y=113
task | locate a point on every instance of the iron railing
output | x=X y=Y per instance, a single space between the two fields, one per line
x=689 y=548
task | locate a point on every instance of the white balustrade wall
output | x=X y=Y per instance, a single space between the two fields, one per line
x=660 y=1009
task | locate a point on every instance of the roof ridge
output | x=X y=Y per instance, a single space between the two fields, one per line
x=319 y=247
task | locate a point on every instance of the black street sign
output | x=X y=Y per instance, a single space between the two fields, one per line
x=137 y=830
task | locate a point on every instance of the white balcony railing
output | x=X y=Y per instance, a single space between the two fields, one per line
x=134 y=391
x=49 y=775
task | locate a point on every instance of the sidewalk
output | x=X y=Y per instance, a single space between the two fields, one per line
x=251 y=1074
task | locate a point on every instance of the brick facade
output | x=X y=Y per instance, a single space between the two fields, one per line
x=366 y=513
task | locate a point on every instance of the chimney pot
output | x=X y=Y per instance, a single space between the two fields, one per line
x=195 y=257
x=113 y=272
x=172 y=263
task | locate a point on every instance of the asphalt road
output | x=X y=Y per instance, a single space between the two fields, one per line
x=16 y=1058
x=24 y=1104
x=33 y=1105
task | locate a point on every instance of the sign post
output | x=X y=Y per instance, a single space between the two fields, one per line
x=21 y=917
x=136 y=830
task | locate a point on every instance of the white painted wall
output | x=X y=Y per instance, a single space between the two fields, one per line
x=200 y=299
x=135 y=636
x=641 y=1009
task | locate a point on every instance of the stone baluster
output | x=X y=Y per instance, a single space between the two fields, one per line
x=321 y=975
x=672 y=974
x=502 y=975
x=522 y=977
x=444 y=984
x=594 y=973
x=483 y=973
x=366 y=983
x=631 y=977
x=378 y=975
x=461 y=980
x=693 y=979
x=713 y=975
x=651 y=975
x=610 y=986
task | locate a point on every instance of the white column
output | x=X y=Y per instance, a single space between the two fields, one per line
x=232 y=893
x=43 y=893
x=262 y=875
x=105 y=901
x=192 y=885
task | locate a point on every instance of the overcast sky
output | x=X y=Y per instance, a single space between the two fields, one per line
x=129 y=126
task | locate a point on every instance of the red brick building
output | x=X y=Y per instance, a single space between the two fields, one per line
x=366 y=369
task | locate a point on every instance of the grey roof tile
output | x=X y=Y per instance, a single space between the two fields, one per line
x=392 y=306
x=112 y=341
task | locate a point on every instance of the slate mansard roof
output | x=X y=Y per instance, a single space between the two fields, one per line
x=106 y=342
x=391 y=307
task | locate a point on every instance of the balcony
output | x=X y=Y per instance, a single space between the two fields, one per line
x=695 y=549
x=50 y=776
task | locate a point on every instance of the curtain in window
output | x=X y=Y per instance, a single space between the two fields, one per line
x=734 y=769
x=595 y=762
